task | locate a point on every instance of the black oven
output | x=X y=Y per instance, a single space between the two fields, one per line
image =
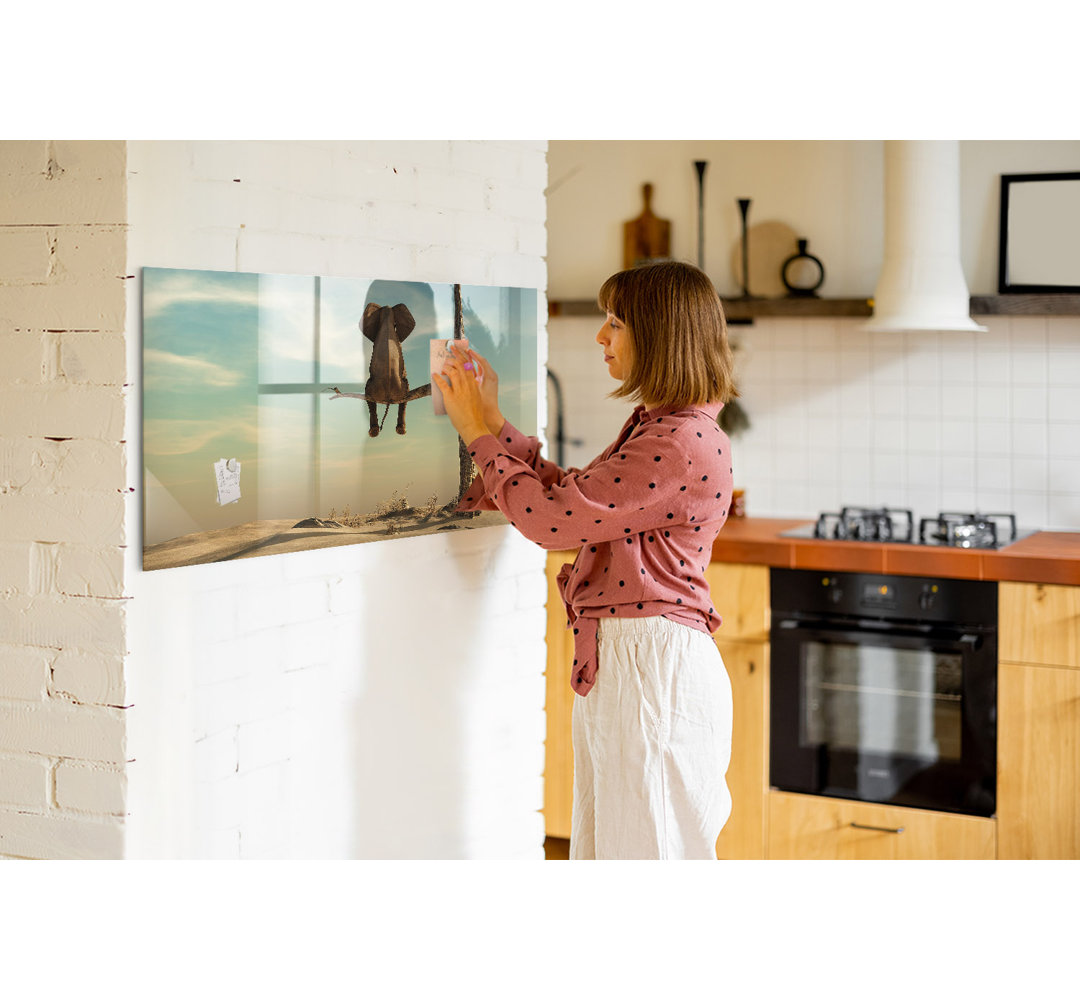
x=884 y=689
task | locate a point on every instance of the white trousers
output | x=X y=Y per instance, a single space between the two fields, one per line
x=652 y=741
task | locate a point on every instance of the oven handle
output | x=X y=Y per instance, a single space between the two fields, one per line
x=847 y=629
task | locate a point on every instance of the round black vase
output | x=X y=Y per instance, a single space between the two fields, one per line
x=802 y=288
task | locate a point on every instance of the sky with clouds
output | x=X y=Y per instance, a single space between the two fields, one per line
x=219 y=346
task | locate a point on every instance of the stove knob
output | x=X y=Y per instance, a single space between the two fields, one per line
x=928 y=596
x=835 y=594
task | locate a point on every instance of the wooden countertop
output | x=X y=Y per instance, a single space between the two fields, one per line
x=1044 y=557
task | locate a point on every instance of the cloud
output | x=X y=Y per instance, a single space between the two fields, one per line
x=185 y=437
x=167 y=288
x=163 y=369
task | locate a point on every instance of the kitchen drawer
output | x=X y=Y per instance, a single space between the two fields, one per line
x=1039 y=623
x=812 y=827
x=740 y=595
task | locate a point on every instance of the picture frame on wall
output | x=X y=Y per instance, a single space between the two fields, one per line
x=287 y=412
x=1039 y=252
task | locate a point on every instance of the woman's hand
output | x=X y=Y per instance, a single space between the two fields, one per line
x=463 y=397
x=489 y=392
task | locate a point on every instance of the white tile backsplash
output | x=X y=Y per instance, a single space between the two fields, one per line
x=932 y=421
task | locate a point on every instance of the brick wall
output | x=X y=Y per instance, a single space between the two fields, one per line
x=381 y=700
x=63 y=481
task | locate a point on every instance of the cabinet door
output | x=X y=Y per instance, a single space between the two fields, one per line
x=811 y=827
x=1039 y=623
x=558 y=750
x=740 y=595
x=743 y=836
x=1038 y=794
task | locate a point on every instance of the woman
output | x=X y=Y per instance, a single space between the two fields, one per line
x=652 y=728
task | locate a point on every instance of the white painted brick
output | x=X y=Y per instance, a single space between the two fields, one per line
x=26 y=255
x=492 y=233
x=24 y=672
x=216 y=756
x=63 y=516
x=436 y=263
x=87 y=183
x=217 y=804
x=93 y=358
x=82 y=571
x=88 y=677
x=346 y=594
x=214 y=614
x=386 y=259
x=518 y=270
x=74 y=464
x=56 y=837
x=263 y=804
x=14 y=568
x=59 y=622
x=85 y=289
x=370 y=180
x=262 y=742
x=24 y=781
x=87 y=732
x=90 y=788
x=63 y=411
x=22 y=356
x=486 y=158
x=517 y=202
x=222 y=845
x=458 y=192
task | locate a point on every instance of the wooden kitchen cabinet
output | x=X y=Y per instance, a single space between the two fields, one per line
x=1038 y=793
x=816 y=828
x=559 y=704
x=741 y=595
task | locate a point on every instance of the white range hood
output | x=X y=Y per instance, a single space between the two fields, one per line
x=922 y=286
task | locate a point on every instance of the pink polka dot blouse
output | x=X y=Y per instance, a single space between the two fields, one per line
x=644 y=515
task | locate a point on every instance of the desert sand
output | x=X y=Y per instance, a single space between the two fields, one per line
x=265 y=538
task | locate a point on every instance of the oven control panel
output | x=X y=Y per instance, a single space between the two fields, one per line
x=800 y=593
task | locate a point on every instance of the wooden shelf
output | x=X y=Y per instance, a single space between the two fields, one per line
x=1058 y=304
x=746 y=310
x=738 y=310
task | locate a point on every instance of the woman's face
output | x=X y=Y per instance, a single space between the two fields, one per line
x=614 y=338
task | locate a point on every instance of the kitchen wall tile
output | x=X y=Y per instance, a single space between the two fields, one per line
x=888 y=400
x=958 y=472
x=1030 y=475
x=1063 y=511
x=992 y=366
x=923 y=436
x=988 y=501
x=1064 y=440
x=960 y=500
x=958 y=438
x=887 y=471
x=923 y=357
x=1028 y=368
x=958 y=401
x=1028 y=402
x=1029 y=438
x=1063 y=403
x=855 y=435
x=1063 y=367
x=958 y=358
x=993 y=472
x=924 y=400
x=991 y=436
x=1063 y=334
x=992 y=402
x=1028 y=334
x=1030 y=509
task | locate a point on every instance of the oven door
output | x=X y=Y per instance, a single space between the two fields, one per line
x=883 y=713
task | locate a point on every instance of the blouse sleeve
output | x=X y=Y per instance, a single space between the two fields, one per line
x=641 y=484
x=527 y=451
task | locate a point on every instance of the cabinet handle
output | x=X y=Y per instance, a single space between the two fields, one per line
x=879 y=829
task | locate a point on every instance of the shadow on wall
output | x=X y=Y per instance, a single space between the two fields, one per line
x=423 y=660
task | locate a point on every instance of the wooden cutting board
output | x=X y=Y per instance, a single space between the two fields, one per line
x=647 y=237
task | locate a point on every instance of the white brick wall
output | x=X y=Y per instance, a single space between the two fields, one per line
x=62 y=489
x=382 y=700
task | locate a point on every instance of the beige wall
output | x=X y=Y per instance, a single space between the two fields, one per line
x=829 y=192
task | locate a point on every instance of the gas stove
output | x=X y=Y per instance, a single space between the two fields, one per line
x=897 y=525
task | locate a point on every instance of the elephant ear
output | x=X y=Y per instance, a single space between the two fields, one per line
x=403 y=321
x=370 y=323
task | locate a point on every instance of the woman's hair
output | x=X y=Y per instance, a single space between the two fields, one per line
x=672 y=312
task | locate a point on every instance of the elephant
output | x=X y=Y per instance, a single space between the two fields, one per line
x=387 y=328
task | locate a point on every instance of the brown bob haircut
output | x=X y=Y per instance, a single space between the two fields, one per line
x=673 y=315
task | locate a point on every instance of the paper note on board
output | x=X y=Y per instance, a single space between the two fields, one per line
x=227 y=474
x=440 y=354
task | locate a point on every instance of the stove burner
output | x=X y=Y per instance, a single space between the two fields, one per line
x=968 y=531
x=872 y=524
